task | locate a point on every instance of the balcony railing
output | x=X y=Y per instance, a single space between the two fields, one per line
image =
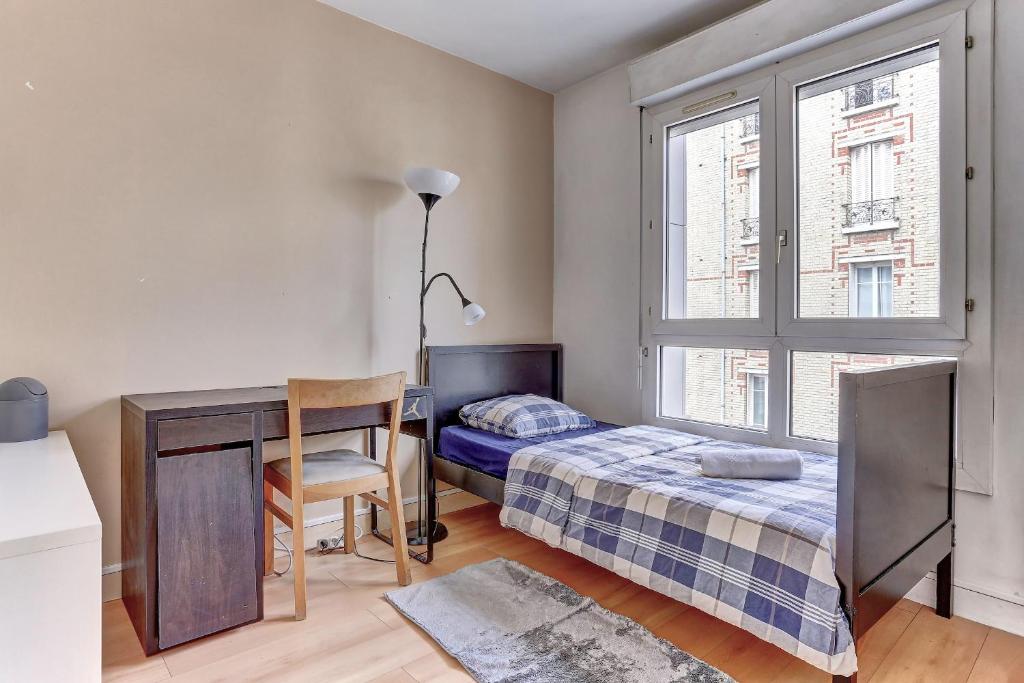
x=750 y=229
x=869 y=92
x=862 y=214
x=751 y=124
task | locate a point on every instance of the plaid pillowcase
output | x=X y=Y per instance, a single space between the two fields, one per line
x=523 y=416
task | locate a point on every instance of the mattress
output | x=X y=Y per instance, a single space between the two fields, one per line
x=489 y=452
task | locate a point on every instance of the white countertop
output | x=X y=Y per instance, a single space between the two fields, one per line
x=44 y=502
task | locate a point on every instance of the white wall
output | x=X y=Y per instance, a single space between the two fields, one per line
x=597 y=208
x=597 y=245
x=205 y=194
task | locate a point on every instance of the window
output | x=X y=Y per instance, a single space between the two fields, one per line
x=714 y=385
x=711 y=176
x=855 y=184
x=873 y=91
x=850 y=193
x=753 y=292
x=872 y=192
x=871 y=290
x=815 y=381
x=757 y=400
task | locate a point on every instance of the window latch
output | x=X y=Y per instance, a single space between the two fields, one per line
x=781 y=241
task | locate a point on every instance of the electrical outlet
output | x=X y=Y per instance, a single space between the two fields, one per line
x=326 y=545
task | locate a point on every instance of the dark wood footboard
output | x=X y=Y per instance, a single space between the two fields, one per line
x=897 y=473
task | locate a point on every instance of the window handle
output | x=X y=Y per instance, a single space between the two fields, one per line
x=782 y=240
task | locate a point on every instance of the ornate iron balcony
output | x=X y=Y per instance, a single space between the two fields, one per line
x=869 y=92
x=751 y=124
x=867 y=213
x=750 y=229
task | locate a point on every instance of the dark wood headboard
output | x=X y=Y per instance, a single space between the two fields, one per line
x=463 y=374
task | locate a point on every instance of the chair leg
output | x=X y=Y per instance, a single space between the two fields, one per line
x=299 y=558
x=397 y=514
x=350 y=524
x=268 y=530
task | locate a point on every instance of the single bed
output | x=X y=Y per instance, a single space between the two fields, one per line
x=874 y=521
x=489 y=453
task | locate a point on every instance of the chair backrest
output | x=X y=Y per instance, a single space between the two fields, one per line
x=343 y=393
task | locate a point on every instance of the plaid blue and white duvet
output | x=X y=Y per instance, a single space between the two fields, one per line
x=757 y=554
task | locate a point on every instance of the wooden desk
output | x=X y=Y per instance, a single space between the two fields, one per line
x=192 y=501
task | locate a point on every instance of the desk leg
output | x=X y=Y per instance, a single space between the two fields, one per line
x=428 y=444
x=371 y=436
x=424 y=557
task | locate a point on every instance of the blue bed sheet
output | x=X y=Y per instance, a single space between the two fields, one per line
x=490 y=452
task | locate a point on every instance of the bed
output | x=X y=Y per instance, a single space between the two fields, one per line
x=871 y=522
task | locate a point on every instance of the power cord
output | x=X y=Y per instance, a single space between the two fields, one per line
x=284 y=546
x=325 y=546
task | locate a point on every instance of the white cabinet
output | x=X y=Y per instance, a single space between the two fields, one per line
x=50 y=565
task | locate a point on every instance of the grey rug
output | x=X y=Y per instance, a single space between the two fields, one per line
x=505 y=622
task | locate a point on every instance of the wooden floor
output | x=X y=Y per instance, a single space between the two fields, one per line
x=352 y=634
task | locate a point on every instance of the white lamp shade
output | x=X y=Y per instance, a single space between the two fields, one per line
x=473 y=313
x=431 y=181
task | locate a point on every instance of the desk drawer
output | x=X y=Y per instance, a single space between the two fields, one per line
x=191 y=432
x=316 y=420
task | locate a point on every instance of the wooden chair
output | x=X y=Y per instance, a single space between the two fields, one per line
x=334 y=474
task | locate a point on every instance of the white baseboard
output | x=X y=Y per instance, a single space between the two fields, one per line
x=970 y=602
x=112 y=572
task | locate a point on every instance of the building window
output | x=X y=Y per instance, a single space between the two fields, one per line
x=871 y=91
x=757 y=400
x=871 y=290
x=750 y=233
x=754 y=192
x=872 y=187
x=750 y=127
x=754 y=293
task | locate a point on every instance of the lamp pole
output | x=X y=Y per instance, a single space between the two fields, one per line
x=421 y=535
x=430 y=185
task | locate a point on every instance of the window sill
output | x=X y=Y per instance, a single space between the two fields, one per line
x=870 y=227
x=874 y=106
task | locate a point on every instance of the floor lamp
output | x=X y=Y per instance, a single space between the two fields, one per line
x=432 y=184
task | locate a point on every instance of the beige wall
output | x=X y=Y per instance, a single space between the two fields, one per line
x=201 y=194
x=597 y=208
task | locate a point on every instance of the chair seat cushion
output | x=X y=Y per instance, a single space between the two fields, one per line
x=330 y=466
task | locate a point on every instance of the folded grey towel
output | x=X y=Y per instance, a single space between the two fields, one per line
x=752 y=463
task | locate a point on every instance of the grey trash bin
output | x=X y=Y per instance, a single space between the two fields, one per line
x=24 y=410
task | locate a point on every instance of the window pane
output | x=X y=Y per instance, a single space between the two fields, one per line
x=868 y=184
x=714 y=385
x=712 y=208
x=815 y=388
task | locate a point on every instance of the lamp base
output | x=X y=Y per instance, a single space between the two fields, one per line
x=417 y=535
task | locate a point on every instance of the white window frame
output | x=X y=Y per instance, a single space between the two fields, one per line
x=854 y=285
x=950 y=32
x=655 y=278
x=966 y=215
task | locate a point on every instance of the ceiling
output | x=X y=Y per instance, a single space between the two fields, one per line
x=549 y=44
